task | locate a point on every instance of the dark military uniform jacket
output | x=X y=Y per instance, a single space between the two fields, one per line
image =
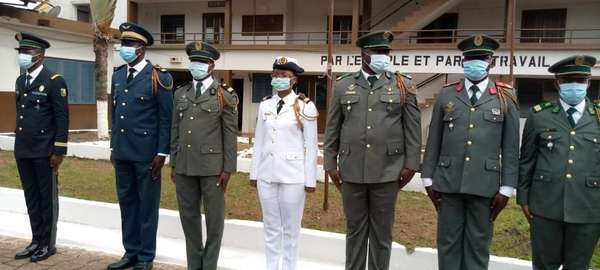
x=560 y=165
x=472 y=149
x=204 y=132
x=372 y=132
x=141 y=117
x=42 y=116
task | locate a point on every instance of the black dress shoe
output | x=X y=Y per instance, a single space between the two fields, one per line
x=43 y=253
x=27 y=252
x=124 y=263
x=143 y=266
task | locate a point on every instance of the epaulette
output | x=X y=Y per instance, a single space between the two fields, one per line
x=267 y=97
x=304 y=98
x=452 y=83
x=159 y=68
x=403 y=75
x=344 y=76
x=53 y=77
x=542 y=106
x=503 y=85
x=229 y=89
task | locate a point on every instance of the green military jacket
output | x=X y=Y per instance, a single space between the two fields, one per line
x=559 y=174
x=372 y=132
x=204 y=132
x=472 y=149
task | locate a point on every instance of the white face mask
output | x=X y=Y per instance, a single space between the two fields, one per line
x=25 y=60
x=199 y=70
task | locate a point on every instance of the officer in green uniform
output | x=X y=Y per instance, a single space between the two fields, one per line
x=559 y=177
x=203 y=154
x=471 y=160
x=374 y=128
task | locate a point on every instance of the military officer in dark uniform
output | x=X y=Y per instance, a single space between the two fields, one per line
x=559 y=177
x=141 y=127
x=203 y=154
x=40 y=142
x=374 y=127
x=471 y=159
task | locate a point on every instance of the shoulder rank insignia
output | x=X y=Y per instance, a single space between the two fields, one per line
x=450 y=107
x=63 y=92
x=267 y=97
x=542 y=106
x=304 y=98
x=158 y=67
x=403 y=75
x=53 y=77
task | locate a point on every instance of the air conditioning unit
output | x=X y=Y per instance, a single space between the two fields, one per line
x=175 y=60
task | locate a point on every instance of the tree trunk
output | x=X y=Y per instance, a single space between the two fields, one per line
x=101 y=51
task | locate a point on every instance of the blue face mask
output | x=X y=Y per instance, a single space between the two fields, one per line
x=25 y=60
x=476 y=70
x=280 y=84
x=379 y=63
x=199 y=70
x=573 y=93
x=128 y=53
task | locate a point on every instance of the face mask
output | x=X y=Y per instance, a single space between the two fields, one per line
x=128 y=53
x=25 y=60
x=198 y=70
x=379 y=63
x=280 y=84
x=476 y=70
x=573 y=93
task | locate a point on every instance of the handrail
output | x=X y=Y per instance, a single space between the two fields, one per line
x=430 y=79
x=391 y=13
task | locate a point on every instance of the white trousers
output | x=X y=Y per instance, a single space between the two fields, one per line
x=282 y=207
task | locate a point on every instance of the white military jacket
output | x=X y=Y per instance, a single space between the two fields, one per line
x=283 y=151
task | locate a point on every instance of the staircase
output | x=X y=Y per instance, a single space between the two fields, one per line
x=425 y=12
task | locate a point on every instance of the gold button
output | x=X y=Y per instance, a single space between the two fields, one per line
x=368 y=146
x=570 y=161
x=188 y=146
x=391 y=101
x=191 y=118
x=569 y=176
x=469 y=142
x=122 y=130
x=370 y=93
x=595 y=140
x=549 y=136
x=573 y=132
x=572 y=147
x=467 y=158
x=368 y=127
x=210 y=150
x=472 y=109
x=471 y=126
x=370 y=109
x=189 y=132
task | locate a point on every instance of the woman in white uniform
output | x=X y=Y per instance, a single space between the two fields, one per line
x=284 y=162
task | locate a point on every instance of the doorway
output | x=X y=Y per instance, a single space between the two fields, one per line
x=238 y=85
x=315 y=88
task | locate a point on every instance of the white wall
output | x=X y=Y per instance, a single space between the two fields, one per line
x=69 y=11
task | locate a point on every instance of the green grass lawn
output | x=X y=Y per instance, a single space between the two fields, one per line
x=415 y=224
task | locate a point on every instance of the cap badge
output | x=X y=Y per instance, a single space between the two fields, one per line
x=281 y=60
x=579 y=60
x=478 y=40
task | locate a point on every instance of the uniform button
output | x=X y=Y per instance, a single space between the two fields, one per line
x=188 y=146
x=122 y=130
x=122 y=117
x=126 y=90
x=25 y=94
x=472 y=109
x=391 y=101
x=142 y=98
x=569 y=176
x=209 y=110
x=145 y=132
x=189 y=132
x=195 y=105
x=573 y=132
x=368 y=127
x=23 y=106
x=471 y=126
x=42 y=131
x=123 y=103
x=572 y=147
x=467 y=158
x=370 y=109
x=210 y=150
x=37 y=100
x=20 y=117
x=370 y=93
x=570 y=161
x=368 y=146
x=191 y=118
x=469 y=142
x=20 y=128
x=549 y=136
x=595 y=140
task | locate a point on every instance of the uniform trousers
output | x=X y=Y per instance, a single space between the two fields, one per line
x=555 y=243
x=41 y=197
x=282 y=208
x=192 y=192
x=464 y=232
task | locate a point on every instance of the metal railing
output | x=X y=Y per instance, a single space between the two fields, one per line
x=433 y=36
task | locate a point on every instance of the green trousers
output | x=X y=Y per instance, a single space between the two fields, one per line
x=464 y=232
x=192 y=191
x=369 y=210
x=555 y=243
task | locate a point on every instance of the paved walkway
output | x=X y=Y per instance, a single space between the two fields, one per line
x=65 y=259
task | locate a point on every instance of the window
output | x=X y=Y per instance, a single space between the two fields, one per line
x=80 y=78
x=448 y=21
x=342 y=29
x=534 y=22
x=261 y=86
x=83 y=13
x=172 y=28
x=262 y=25
x=213 y=27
